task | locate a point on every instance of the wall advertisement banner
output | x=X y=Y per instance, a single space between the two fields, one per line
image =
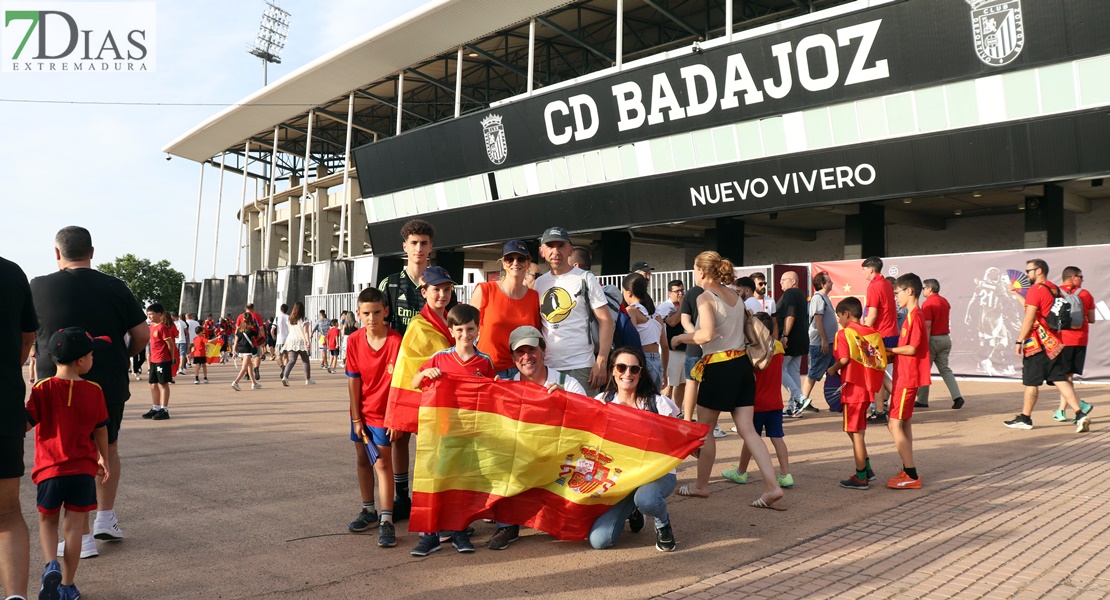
x=986 y=315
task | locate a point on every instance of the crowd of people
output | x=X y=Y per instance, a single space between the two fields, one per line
x=723 y=345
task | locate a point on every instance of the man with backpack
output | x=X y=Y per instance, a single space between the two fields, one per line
x=1075 y=337
x=1040 y=346
x=569 y=299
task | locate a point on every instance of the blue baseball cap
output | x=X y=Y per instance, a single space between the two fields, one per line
x=436 y=276
x=515 y=247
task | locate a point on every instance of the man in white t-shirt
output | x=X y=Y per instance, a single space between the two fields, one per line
x=281 y=333
x=762 y=301
x=567 y=295
x=527 y=346
x=193 y=323
x=183 y=339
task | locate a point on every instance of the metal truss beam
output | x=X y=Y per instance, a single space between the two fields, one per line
x=392 y=103
x=441 y=84
x=583 y=43
x=497 y=61
x=677 y=20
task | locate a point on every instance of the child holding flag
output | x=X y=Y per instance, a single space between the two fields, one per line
x=371 y=354
x=200 y=355
x=912 y=366
x=463 y=359
x=425 y=334
x=858 y=352
x=768 y=415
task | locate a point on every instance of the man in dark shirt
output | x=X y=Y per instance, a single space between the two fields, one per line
x=17 y=332
x=793 y=322
x=689 y=319
x=79 y=296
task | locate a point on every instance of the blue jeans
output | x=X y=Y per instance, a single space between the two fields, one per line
x=655 y=368
x=650 y=498
x=792 y=377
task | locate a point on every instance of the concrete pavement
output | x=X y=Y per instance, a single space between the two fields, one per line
x=246 y=494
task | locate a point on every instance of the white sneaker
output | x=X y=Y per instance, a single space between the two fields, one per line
x=718 y=432
x=309 y=382
x=256 y=386
x=285 y=381
x=88 y=547
x=734 y=429
x=235 y=386
x=104 y=529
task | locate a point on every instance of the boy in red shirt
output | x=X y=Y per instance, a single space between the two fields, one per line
x=200 y=354
x=768 y=415
x=333 y=344
x=462 y=359
x=371 y=354
x=912 y=366
x=162 y=349
x=860 y=353
x=71 y=441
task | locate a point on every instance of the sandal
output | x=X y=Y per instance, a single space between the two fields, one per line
x=761 y=503
x=685 y=491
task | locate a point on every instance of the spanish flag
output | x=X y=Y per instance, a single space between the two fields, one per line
x=511 y=451
x=212 y=350
x=867 y=356
x=426 y=334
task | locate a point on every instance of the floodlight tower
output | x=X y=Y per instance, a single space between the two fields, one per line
x=272 y=33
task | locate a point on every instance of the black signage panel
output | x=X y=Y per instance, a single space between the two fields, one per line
x=881 y=50
x=1022 y=153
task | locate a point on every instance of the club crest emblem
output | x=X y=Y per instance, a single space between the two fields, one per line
x=998 y=30
x=588 y=472
x=497 y=148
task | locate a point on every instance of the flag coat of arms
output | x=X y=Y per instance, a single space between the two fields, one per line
x=425 y=335
x=511 y=451
x=867 y=356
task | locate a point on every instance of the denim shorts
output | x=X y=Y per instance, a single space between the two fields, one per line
x=690 y=362
x=819 y=363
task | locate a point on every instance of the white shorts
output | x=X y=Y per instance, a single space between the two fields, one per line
x=247 y=355
x=675 y=369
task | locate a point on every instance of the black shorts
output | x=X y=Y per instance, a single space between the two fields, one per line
x=1073 y=358
x=75 y=492
x=200 y=360
x=11 y=457
x=161 y=372
x=727 y=385
x=1038 y=369
x=115 y=419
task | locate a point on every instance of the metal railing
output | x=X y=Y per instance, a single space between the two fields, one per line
x=332 y=305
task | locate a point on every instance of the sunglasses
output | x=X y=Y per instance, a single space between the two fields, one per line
x=634 y=369
x=516 y=258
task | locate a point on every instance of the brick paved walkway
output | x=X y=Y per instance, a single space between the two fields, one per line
x=1032 y=528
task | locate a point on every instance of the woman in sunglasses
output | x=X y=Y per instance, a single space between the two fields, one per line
x=630 y=385
x=505 y=305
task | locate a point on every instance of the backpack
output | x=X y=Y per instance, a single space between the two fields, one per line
x=1076 y=316
x=624 y=332
x=759 y=344
x=1059 y=316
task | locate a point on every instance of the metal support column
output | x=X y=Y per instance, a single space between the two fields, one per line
x=347 y=171
x=304 y=194
x=243 y=208
x=620 y=33
x=219 y=204
x=400 y=105
x=269 y=223
x=532 y=53
x=458 y=84
x=728 y=20
x=196 y=232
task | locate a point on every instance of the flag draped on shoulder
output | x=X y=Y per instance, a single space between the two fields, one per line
x=511 y=451
x=867 y=358
x=425 y=335
x=212 y=351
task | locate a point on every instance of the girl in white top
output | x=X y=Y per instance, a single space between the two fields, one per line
x=641 y=310
x=628 y=385
x=296 y=346
x=728 y=380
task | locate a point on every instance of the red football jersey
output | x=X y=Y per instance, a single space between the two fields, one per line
x=880 y=296
x=768 y=384
x=1079 y=337
x=65 y=413
x=913 y=371
x=159 y=334
x=374 y=369
x=936 y=310
x=448 y=361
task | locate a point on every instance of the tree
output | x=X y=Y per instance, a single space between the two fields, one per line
x=150 y=282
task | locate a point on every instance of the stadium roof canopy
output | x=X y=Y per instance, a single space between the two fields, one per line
x=572 y=39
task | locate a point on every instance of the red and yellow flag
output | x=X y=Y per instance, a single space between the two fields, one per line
x=867 y=357
x=425 y=335
x=212 y=350
x=513 y=452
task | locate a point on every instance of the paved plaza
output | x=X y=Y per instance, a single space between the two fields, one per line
x=248 y=494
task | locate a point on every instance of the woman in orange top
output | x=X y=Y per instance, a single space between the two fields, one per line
x=504 y=306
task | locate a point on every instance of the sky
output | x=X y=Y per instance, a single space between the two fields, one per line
x=100 y=165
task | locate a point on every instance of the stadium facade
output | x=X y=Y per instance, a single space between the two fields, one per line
x=773 y=131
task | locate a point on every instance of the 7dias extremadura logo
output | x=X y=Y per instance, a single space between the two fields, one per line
x=77 y=36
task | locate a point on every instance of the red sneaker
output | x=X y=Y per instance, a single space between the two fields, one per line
x=901 y=481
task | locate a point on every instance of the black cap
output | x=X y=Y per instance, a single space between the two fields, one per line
x=555 y=234
x=436 y=276
x=71 y=343
x=642 y=266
